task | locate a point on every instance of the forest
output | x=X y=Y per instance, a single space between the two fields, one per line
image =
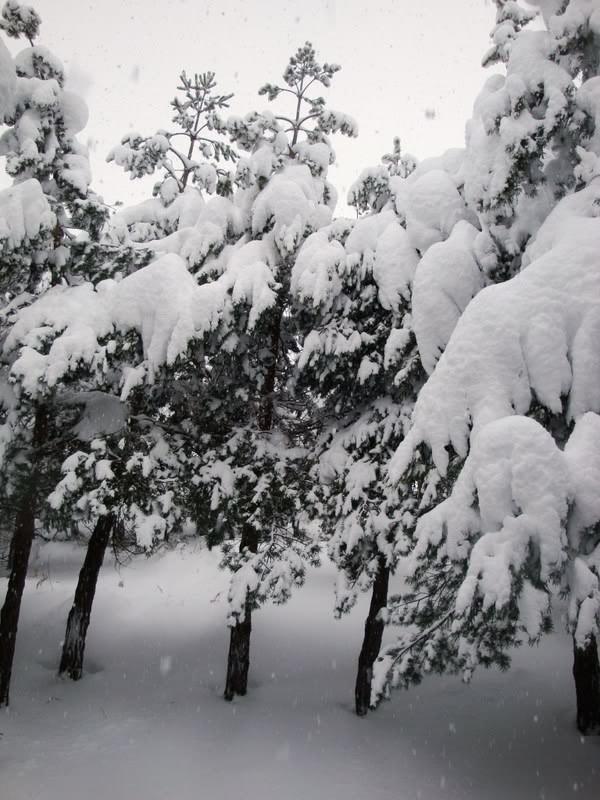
x=232 y=396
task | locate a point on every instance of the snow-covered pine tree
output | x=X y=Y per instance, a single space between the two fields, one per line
x=251 y=463
x=359 y=363
x=511 y=412
x=41 y=216
x=120 y=376
x=107 y=356
x=355 y=284
x=125 y=484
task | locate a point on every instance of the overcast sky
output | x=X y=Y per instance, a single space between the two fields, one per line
x=409 y=67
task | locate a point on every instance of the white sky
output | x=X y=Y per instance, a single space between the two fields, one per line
x=400 y=59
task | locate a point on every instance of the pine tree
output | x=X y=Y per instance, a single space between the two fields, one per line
x=355 y=285
x=50 y=199
x=138 y=367
x=251 y=459
x=510 y=413
x=359 y=362
x=107 y=357
x=126 y=485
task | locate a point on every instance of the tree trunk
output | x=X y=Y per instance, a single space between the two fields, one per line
x=586 y=671
x=372 y=640
x=9 y=617
x=21 y=550
x=238 y=659
x=71 y=662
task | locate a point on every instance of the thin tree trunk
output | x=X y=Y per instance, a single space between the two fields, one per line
x=71 y=662
x=586 y=671
x=238 y=659
x=21 y=550
x=9 y=617
x=372 y=640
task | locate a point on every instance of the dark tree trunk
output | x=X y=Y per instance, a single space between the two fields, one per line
x=372 y=640
x=71 y=662
x=586 y=671
x=9 y=617
x=238 y=659
x=20 y=550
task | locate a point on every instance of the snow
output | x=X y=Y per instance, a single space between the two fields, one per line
x=394 y=259
x=35 y=62
x=447 y=278
x=378 y=241
x=137 y=161
x=76 y=172
x=157 y=301
x=290 y=202
x=74 y=112
x=147 y=720
x=517 y=494
x=199 y=228
x=25 y=214
x=334 y=121
x=317 y=156
x=314 y=275
x=531 y=337
x=579 y=14
x=431 y=205
x=82 y=319
x=250 y=276
x=394 y=267
x=583 y=456
x=514 y=116
x=206 y=177
x=162 y=302
x=171 y=211
x=514 y=491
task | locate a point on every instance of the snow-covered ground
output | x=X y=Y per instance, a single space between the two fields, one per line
x=147 y=722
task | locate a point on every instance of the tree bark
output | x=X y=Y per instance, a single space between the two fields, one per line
x=9 y=617
x=372 y=640
x=71 y=662
x=238 y=659
x=21 y=550
x=586 y=671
